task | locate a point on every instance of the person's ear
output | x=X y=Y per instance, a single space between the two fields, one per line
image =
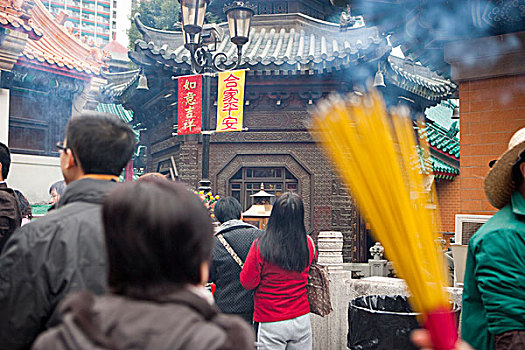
x=70 y=159
x=1 y=172
x=522 y=169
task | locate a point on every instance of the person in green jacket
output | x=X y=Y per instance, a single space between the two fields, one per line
x=494 y=284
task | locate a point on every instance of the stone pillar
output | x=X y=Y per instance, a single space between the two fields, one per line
x=330 y=246
x=4 y=116
x=330 y=332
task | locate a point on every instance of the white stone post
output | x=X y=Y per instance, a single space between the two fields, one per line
x=4 y=116
x=330 y=332
x=378 y=265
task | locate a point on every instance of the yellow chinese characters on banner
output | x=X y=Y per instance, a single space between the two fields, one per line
x=230 y=100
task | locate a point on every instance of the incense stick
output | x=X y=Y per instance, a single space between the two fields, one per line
x=376 y=155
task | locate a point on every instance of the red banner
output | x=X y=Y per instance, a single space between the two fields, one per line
x=190 y=105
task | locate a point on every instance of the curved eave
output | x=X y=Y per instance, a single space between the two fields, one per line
x=60 y=49
x=17 y=24
x=54 y=68
x=440 y=142
x=298 y=65
x=119 y=83
x=419 y=80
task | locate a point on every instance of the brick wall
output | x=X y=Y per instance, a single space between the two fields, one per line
x=448 y=203
x=491 y=110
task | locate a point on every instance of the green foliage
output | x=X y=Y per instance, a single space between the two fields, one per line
x=159 y=14
x=163 y=14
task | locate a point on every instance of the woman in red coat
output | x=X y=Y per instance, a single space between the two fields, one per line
x=277 y=268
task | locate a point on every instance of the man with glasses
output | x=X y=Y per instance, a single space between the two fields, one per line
x=64 y=251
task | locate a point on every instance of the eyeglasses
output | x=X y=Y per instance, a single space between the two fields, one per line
x=60 y=146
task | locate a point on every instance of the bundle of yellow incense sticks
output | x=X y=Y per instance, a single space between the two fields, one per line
x=376 y=156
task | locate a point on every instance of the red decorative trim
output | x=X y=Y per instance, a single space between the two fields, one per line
x=442 y=152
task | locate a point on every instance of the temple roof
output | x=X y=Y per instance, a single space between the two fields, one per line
x=438 y=139
x=117 y=51
x=443 y=170
x=16 y=17
x=418 y=79
x=117 y=110
x=284 y=44
x=119 y=82
x=58 y=50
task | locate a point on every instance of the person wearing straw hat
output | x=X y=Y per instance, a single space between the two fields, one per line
x=494 y=284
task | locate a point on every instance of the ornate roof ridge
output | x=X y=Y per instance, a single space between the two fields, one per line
x=286 y=47
x=18 y=19
x=419 y=79
x=59 y=48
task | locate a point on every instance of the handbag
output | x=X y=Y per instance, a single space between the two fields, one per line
x=230 y=250
x=318 y=288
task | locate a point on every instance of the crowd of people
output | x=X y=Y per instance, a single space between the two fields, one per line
x=124 y=266
x=121 y=266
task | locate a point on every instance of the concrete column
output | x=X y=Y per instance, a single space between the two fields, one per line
x=4 y=116
x=329 y=332
x=330 y=245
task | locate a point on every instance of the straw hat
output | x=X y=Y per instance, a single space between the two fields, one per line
x=498 y=183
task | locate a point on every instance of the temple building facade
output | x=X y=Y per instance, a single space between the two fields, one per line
x=46 y=76
x=293 y=61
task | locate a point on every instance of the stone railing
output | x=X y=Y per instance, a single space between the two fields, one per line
x=330 y=332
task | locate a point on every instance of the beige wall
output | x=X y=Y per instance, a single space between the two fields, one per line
x=33 y=175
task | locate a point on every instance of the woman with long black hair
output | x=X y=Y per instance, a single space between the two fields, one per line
x=277 y=268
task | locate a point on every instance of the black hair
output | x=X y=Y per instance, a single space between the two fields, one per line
x=227 y=208
x=157 y=234
x=285 y=243
x=517 y=175
x=59 y=186
x=23 y=204
x=5 y=160
x=102 y=143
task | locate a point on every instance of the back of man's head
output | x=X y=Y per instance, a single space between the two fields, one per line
x=5 y=160
x=226 y=209
x=102 y=143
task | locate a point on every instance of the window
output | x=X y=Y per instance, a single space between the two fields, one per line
x=247 y=181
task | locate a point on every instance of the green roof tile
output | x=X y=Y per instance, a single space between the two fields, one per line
x=118 y=110
x=438 y=139
x=441 y=167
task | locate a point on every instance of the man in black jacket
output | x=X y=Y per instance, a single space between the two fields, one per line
x=65 y=250
x=10 y=214
x=230 y=296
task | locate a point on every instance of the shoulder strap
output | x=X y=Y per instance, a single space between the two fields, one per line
x=230 y=250
x=314 y=259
